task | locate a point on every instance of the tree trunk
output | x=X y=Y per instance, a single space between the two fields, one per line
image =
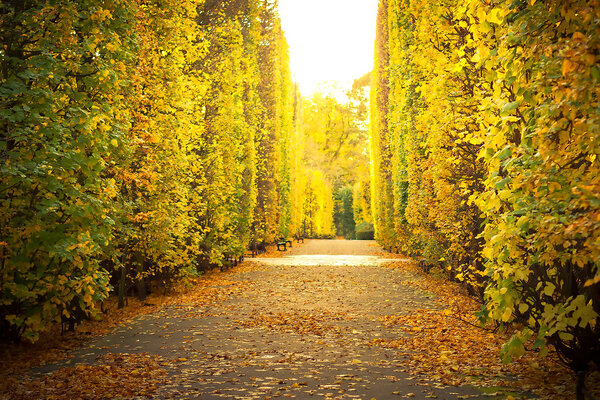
x=122 y=281
x=141 y=284
x=582 y=393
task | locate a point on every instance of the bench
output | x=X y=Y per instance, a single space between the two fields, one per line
x=283 y=242
x=299 y=238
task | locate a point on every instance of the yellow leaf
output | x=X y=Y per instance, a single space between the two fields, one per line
x=579 y=37
x=523 y=307
x=565 y=336
x=592 y=281
x=496 y=16
x=507 y=314
x=568 y=67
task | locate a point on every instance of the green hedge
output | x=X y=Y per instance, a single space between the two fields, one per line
x=365 y=231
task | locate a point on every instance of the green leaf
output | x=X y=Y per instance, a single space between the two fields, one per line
x=508 y=107
x=549 y=289
x=523 y=307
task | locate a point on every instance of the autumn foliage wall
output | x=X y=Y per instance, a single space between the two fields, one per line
x=485 y=142
x=137 y=139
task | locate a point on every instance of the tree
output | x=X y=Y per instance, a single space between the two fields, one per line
x=139 y=140
x=335 y=137
x=381 y=156
x=541 y=193
x=273 y=207
x=317 y=207
x=343 y=213
x=63 y=69
x=487 y=115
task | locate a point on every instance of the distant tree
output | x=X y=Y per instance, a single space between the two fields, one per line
x=343 y=215
x=272 y=214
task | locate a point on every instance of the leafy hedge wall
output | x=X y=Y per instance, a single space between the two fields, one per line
x=485 y=144
x=137 y=139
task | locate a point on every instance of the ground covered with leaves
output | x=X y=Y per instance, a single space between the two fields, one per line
x=266 y=330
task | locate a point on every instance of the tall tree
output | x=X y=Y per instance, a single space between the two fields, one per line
x=381 y=152
x=62 y=71
x=273 y=207
x=140 y=139
x=336 y=137
x=541 y=197
x=487 y=113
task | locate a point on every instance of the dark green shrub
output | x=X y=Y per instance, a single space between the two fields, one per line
x=343 y=213
x=365 y=231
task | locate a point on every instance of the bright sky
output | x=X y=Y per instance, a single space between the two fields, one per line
x=330 y=40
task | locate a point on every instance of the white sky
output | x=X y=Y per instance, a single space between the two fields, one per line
x=330 y=40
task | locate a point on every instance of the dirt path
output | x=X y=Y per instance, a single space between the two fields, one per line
x=278 y=330
x=335 y=247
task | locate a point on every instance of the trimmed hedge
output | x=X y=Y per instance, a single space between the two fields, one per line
x=365 y=231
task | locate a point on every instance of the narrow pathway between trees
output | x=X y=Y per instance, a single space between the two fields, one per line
x=270 y=329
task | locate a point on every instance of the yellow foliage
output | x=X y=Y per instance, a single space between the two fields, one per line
x=484 y=138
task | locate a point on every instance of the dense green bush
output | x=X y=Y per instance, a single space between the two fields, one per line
x=365 y=231
x=343 y=213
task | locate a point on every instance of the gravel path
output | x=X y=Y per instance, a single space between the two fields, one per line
x=277 y=330
x=336 y=247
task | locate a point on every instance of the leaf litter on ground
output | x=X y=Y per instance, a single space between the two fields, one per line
x=443 y=344
x=448 y=345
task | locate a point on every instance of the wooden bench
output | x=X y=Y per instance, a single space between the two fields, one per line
x=299 y=238
x=283 y=242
